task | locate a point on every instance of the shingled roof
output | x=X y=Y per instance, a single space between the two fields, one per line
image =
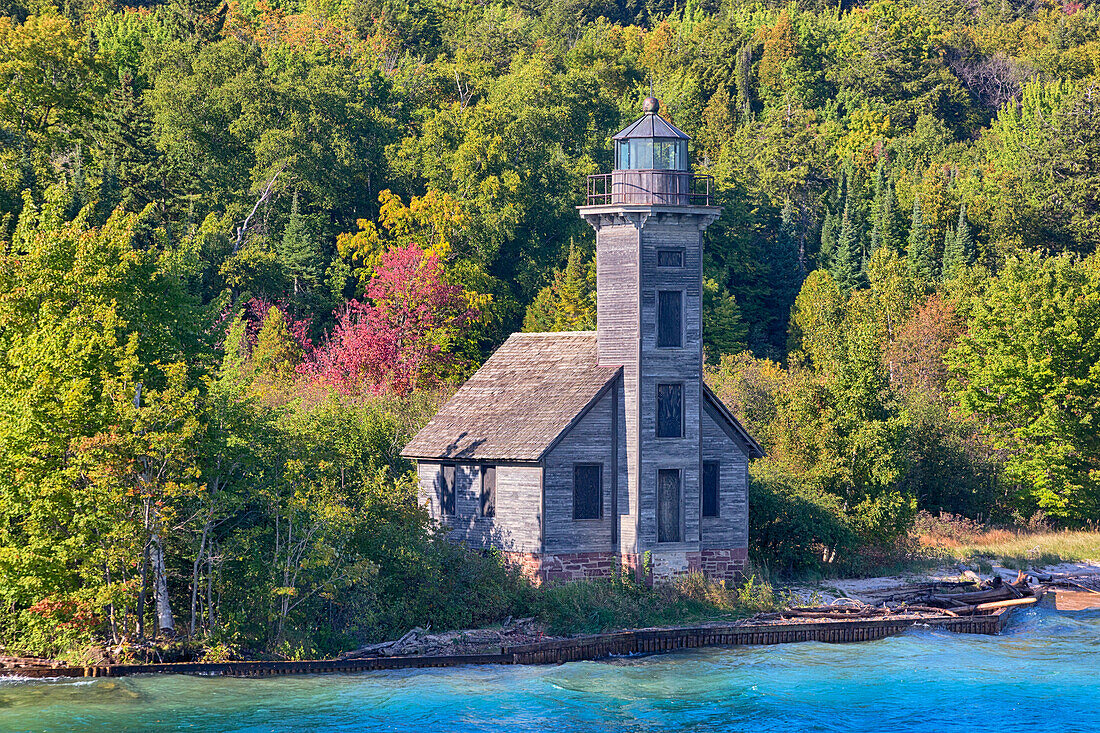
x=519 y=402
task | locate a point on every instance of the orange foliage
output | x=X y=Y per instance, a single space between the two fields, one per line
x=915 y=357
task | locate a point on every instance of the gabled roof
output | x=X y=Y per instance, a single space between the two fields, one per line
x=517 y=405
x=751 y=446
x=651 y=125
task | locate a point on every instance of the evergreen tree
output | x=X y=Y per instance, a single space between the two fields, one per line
x=887 y=228
x=132 y=162
x=830 y=233
x=958 y=250
x=880 y=206
x=921 y=258
x=847 y=265
x=789 y=261
x=298 y=253
x=724 y=329
x=569 y=302
x=948 y=246
x=577 y=290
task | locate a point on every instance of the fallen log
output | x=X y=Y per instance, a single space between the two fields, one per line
x=994 y=605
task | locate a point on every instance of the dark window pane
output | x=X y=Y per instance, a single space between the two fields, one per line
x=711 y=477
x=668 y=505
x=670 y=410
x=587 y=496
x=488 y=491
x=670 y=258
x=669 y=318
x=447 y=491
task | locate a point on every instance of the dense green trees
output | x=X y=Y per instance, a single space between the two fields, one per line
x=899 y=295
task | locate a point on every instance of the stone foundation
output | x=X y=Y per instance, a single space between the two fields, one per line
x=726 y=564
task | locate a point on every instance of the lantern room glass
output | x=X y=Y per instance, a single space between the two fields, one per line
x=649 y=153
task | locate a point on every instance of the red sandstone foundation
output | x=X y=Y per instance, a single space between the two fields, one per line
x=716 y=564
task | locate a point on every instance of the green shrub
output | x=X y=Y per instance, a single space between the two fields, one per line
x=793 y=531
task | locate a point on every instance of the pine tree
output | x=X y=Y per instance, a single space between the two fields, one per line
x=888 y=226
x=830 y=233
x=126 y=132
x=948 y=247
x=569 y=302
x=959 y=252
x=298 y=252
x=847 y=266
x=790 y=259
x=921 y=259
x=724 y=328
x=880 y=205
x=577 y=292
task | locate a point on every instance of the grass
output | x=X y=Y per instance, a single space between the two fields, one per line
x=1022 y=549
x=956 y=538
x=594 y=606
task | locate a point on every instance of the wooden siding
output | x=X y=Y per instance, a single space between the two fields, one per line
x=627 y=241
x=517 y=524
x=618 y=342
x=588 y=441
x=668 y=365
x=731 y=527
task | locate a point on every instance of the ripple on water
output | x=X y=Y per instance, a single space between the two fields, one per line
x=923 y=680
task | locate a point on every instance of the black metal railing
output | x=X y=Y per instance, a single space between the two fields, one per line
x=678 y=188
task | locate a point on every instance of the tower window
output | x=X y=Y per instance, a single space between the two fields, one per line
x=447 y=491
x=711 y=480
x=587 y=491
x=670 y=319
x=670 y=410
x=488 y=491
x=670 y=258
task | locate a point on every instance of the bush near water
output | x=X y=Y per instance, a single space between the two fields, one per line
x=247 y=248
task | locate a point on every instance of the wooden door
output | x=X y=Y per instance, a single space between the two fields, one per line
x=668 y=505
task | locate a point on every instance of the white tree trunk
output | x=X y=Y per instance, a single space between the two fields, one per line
x=165 y=622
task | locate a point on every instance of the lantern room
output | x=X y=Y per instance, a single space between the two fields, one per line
x=651 y=143
x=652 y=166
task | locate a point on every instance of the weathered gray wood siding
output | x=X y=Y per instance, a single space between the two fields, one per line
x=671 y=365
x=588 y=441
x=627 y=241
x=731 y=527
x=618 y=343
x=517 y=523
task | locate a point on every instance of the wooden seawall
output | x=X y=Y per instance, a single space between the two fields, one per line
x=596 y=646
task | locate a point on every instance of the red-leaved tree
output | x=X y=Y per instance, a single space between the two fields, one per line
x=401 y=336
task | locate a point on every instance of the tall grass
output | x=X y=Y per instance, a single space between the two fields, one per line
x=954 y=538
x=620 y=602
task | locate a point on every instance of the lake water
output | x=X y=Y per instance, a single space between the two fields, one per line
x=1042 y=674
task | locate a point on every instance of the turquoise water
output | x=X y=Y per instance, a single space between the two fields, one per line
x=1043 y=674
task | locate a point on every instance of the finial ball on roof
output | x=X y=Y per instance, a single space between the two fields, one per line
x=651 y=105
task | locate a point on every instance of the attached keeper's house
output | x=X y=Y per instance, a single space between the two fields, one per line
x=575 y=453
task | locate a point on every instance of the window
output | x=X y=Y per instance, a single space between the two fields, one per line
x=447 y=491
x=711 y=480
x=670 y=258
x=488 y=491
x=647 y=153
x=669 y=319
x=670 y=410
x=587 y=493
x=668 y=505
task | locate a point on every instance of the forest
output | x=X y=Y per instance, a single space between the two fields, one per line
x=248 y=247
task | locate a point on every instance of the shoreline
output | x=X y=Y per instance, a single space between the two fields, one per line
x=558 y=651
